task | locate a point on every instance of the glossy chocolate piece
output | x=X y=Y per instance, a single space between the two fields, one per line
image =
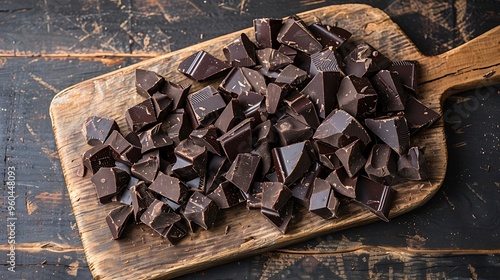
x=141 y=199
x=264 y=132
x=392 y=96
x=275 y=93
x=301 y=108
x=352 y=157
x=281 y=219
x=250 y=103
x=357 y=97
x=125 y=197
x=217 y=167
x=302 y=189
x=176 y=232
x=407 y=73
x=109 y=181
x=147 y=167
x=254 y=199
x=364 y=61
x=295 y=34
x=327 y=60
x=329 y=36
x=375 y=197
x=266 y=30
x=230 y=117
x=147 y=82
x=235 y=82
x=275 y=195
x=191 y=160
x=393 y=130
x=255 y=79
x=243 y=170
x=286 y=50
x=141 y=116
x=272 y=60
x=338 y=129
x=381 y=165
x=322 y=90
x=419 y=116
x=204 y=106
x=326 y=155
x=202 y=66
x=206 y=137
x=96 y=129
x=323 y=201
x=412 y=165
x=154 y=138
x=170 y=187
x=342 y=183
x=237 y=140
x=98 y=157
x=292 y=161
x=125 y=151
x=226 y=195
x=177 y=126
x=266 y=161
x=162 y=104
x=289 y=131
x=177 y=93
x=292 y=75
x=240 y=52
x=117 y=220
x=201 y=210
x=159 y=217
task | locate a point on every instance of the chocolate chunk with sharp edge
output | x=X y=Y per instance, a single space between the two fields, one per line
x=250 y=103
x=337 y=129
x=294 y=34
x=412 y=165
x=177 y=126
x=326 y=155
x=275 y=195
x=266 y=162
x=237 y=140
x=154 y=138
x=117 y=220
x=290 y=130
x=381 y=165
x=231 y=116
x=364 y=61
x=272 y=60
x=329 y=36
x=419 y=116
x=392 y=96
x=177 y=93
x=302 y=189
x=275 y=93
x=175 y=207
x=206 y=137
x=243 y=170
x=301 y=108
x=375 y=197
x=96 y=129
x=159 y=217
x=125 y=197
x=407 y=73
x=170 y=187
x=281 y=219
x=352 y=157
x=323 y=201
x=191 y=160
x=109 y=181
x=286 y=50
x=125 y=151
x=201 y=210
x=327 y=60
x=204 y=106
x=196 y=184
x=264 y=132
x=292 y=75
x=235 y=82
x=322 y=90
x=98 y=157
x=147 y=167
x=393 y=130
x=342 y=183
x=269 y=75
x=217 y=166
x=266 y=30
x=141 y=116
x=292 y=161
x=147 y=82
x=202 y=66
x=141 y=199
x=357 y=97
x=162 y=104
x=176 y=232
x=133 y=139
x=240 y=52
x=255 y=79
x=226 y=195
x=254 y=199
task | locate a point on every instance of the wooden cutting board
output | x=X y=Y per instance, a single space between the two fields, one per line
x=143 y=254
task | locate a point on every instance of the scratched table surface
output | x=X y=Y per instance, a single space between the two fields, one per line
x=46 y=46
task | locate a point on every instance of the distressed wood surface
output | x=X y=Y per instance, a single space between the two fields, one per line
x=208 y=248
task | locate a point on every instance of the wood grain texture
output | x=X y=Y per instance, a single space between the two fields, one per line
x=245 y=238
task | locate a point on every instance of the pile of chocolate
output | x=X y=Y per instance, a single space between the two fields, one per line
x=299 y=117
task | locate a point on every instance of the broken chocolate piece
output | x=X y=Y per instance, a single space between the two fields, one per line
x=201 y=210
x=176 y=232
x=407 y=73
x=393 y=130
x=117 y=220
x=204 y=106
x=202 y=66
x=323 y=201
x=191 y=160
x=338 y=129
x=250 y=103
x=352 y=157
x=342 y=183
x=125 y=151
x=272 y=59
x=170 y=187
x=381 y=165
x=286 y=50
x=235 y=82
x=226 y=195
x=255 y=79
x=294 y=34
x=125 y=197
x=240 y=52
x=327 y=60
x=364 y=61
x=301 y=108
x=217 y=166
x=292 y=161
x=412 y=165
x=141 y=199
x=357 y=97
x=141 y=116
x=302 y=189
x=275 y=93
x=96 y=129
x=322 y=90
x=177 y=93
x=264 y=132
x=326 y=155
x=281 y=219
x=206 y=137
x=98 y=157
x=292 y=75
x=266 y=30
x=154 y=138
x=375 y=197
x=329 y=36
x=274 y=195
x=231 y=116
x=148 y=82
x=290 y=130
x=147 y=167
x=177 y=126
x=109 y=181
x=159 y=217
x=237 y=140
x=162 y=104
x=266 y=162
x=419 y=116
x=243 y=170
x=392 y=96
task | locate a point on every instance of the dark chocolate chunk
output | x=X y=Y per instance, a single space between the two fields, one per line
x=292 y=161
x=286 y=50
x=407 y=73
x=375 y=197
x=117 y=220
x=177 y=126
x=98 y=157
x=329 y=36
x=177 y=93
x=243 y=170
x=159 y=217
x=323 y=201
x=272 y=59
x=412 y=165
x=240 y=52
x=133 y=139
x=275 y=195
x=264 y=132
x=266 y=30
x=381 y=165
x=255 y=79
x=125 y=197
x=301 y=108
x=294 y=34
x=393 y=130
x=196 y=184
x=217 y=166
x=125 y=151
x=254 y=199
x=290 y=130
x=342 y=183
x=322 y=90
x=147 y=82
x=162 y=104
x=141 y=116
x=235 y=82
x=365 y=61
x=237 y=140
x=419 y=116
x=226 y=195
x=204 y=106
x=292 y=75
x=96 y=129
x=147 y=167
x=266 y=162
x=202 y=66
x=269 y=75
x=191 y=160
x=154 y=138
x=302 y=189
x=141 y=199
x=206 y=137
x=391 y=92
x=326 y=155
x=201 y=210
x=230 y=117
x=170 y=187
x=281 y=219
x=327 y=60
x=357 y=97
x=275 y=93
x=109 y=181
x=338 y=129
x=352 y=157
x=250 y=103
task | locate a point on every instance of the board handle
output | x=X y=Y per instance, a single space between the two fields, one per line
x=472 y=65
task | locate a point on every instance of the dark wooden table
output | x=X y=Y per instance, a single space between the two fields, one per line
x=46 y=46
